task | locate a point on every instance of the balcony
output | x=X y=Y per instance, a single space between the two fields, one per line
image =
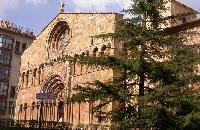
x=18 y=52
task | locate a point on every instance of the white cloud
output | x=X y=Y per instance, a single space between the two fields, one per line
x=37 y=2
x=100 y=5
x=7 y=5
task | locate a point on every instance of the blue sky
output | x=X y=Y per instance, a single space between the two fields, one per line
x=36 y=14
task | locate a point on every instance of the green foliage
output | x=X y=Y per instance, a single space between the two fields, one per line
x=153 y=58
x=192 y=121
x=170 y=106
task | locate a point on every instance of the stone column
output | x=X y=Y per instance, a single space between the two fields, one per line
x=69 y=67
x=37 y=111
x=44 y=111
x=72 y=113
x=39 y=76
x=47 y=109
x=50 y=111
x=54 y=112
x=30 y=113
x=65 y=112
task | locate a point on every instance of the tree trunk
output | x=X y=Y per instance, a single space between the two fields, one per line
x=141 y=84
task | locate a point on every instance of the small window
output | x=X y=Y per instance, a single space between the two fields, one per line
x=12 y=91
x=1 y=39
x=17 y=46
x=23 y=47
x=23 y=74
x=6 y=42
x=5 y=58
x=9 y=41
x=95 y=51
x=27 y=75
x=34 y=76
x=3 y=88
x=3 y=105
x=4 y=73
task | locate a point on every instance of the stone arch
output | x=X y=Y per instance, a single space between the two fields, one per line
x=35 y=72
x=20 y=112
x=27 y=78
x=75 y=55
x=21 y=80
x=23 y=74
x=95 y=50
x=32 y=108
x=108 y=49
x=109 y=45
x=33 y=105
x=53 y=83
x=87 y=53
x=103 y=49
x=83 y=54
x=59 y=36
x=25 y=105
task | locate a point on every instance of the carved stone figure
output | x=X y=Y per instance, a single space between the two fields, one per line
x=62 y=6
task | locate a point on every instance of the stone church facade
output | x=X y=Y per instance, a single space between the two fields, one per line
x=45 y=68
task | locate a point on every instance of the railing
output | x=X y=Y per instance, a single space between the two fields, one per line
x=35 y=124
x=47 y=125
x=14 y=28
x=7 y=122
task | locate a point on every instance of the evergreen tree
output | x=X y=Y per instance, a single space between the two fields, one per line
x=157 y=63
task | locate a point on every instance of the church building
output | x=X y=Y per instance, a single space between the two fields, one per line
x=45 y=69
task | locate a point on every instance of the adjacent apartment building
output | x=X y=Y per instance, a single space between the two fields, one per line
x=13 y=41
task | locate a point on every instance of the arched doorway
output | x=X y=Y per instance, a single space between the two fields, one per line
x=54 y=84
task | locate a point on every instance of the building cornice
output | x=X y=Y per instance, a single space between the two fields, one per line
x=18 y=33
x=182 y=27
x=61 y=13
x=185 y=6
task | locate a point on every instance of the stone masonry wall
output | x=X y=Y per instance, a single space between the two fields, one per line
x=82 y=26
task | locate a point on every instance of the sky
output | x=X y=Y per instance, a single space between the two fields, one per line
x=36 y=14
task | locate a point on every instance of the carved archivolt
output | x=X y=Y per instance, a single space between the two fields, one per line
x=53 y=83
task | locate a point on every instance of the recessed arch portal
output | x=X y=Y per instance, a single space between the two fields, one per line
x=53 y=83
